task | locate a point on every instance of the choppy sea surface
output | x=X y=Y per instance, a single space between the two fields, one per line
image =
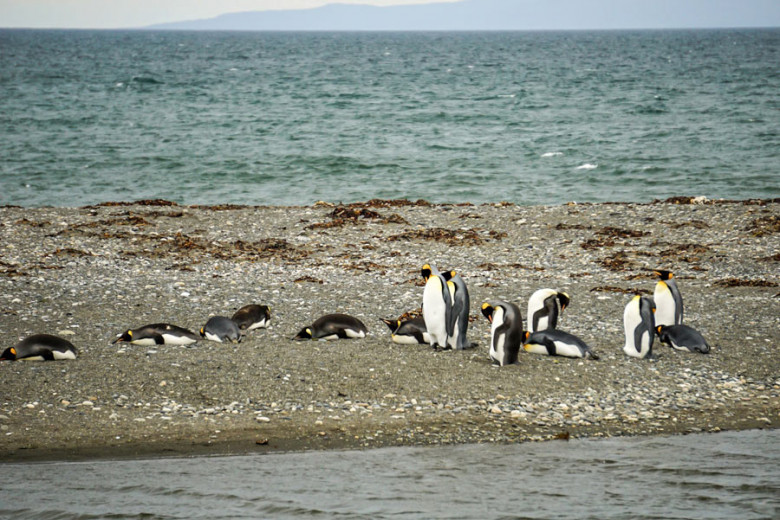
x=702 y=476
x=292 y=118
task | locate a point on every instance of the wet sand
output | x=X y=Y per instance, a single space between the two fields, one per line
x=89 y=273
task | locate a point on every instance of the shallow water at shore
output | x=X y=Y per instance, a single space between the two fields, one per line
x=712 y=476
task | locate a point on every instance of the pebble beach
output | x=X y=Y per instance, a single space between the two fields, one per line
x=89 y=273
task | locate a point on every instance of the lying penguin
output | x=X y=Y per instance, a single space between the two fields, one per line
x=157 y=334
x=251 y=317
x=554 y=342
x=682 y=337
x=221 y=329
x=40 y=347
x=333 y=326
x=409 y=331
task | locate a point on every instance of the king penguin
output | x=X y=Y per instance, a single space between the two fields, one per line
x=251 y=317
x=459 y=295
x=220 y=329
x=554 y=342
x=333 y=326
x=543 y=309
x=158 y=334
x=683 y=337
x=506 y=331
x=409 y=332
x=436 y=306
x=668 y=300
x=639 y=324
x=40 y=347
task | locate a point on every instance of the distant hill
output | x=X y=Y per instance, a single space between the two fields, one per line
x=480 y=15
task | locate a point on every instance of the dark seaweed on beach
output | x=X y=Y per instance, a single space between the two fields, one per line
x=352 y=214
x=736 y=282
x=618 y=261
x=620 y=290
x=24 y=221
x=764 y=226
x=309 y=279
x=145 y=202
x=466 y=237
x=772 y=258
x=394 y=203
x=615 y=232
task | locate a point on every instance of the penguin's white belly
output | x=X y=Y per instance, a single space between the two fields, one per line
x=144 y=342
x=497 y=343
x=258 y=325
x=354 y=333
x=32 y=358
x=330 y=337
x=403 y=339
x=211 y=337
x=535 y=348
x=567 y=349
x=497 y=348
x=665 y=305
x=171 y=339
x=68 y=354
x=543 y=323
x=434 y=313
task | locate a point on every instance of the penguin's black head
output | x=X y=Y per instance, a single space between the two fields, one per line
x=663 y=275
x=525 y=335
x=564 y=299
x=392 y=324
x=426 y=272
x=125 y=336
x=8 y=354
x=203 y=332
x=487 y=311
x=304 y=334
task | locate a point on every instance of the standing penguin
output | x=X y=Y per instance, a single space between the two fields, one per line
x=682 y=337
x=459 y=295
x=220 y=328
x=639 y=323
x=668 y=300
x=506 y=331
x=40 y=347
x=436 y=306
x=543 y=309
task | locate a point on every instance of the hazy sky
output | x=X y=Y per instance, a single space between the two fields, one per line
x=106 y=14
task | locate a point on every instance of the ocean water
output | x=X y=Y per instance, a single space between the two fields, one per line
x=292 y=118
x=703 y=476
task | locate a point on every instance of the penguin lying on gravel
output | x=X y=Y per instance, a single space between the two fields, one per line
x=251 y=317
x=409 y=331
x=40 y=347
x=682 y=337
x=554 y=342
x=333 y=326
x=157 y=334
x=219 y=329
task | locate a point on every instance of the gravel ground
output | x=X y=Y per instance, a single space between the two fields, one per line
x=89 y=273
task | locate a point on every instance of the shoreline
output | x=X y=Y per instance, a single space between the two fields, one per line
x=88 y=273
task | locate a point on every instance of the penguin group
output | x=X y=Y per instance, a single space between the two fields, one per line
x=443 y=325
x=661 y=315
